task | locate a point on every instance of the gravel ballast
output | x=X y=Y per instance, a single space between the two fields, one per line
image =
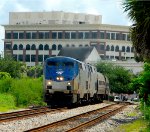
x=37 y=121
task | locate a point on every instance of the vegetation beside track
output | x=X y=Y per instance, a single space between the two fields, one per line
x=139 y=125
x=21 y=92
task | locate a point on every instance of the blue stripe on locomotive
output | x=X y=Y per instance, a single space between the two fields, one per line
x=60 y=68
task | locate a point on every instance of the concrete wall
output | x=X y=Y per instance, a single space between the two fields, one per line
x=53 y=17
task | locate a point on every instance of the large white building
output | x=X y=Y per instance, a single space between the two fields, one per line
x=31 y=37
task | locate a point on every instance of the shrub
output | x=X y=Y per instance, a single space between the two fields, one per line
x=27 y=91
x=4 y=75
x=5 y=85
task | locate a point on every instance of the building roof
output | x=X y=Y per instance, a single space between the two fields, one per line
x=79 y=53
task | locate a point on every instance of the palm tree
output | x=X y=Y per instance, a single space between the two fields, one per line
x=139 y=12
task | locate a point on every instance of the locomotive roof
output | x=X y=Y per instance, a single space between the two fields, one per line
x=66 y=58
x=79 y=53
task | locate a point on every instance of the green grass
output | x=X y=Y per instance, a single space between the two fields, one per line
x=7 y=102
x=132 y=114
x=139 y=125
x=20 y=93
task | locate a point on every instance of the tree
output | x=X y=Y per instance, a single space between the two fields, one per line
x=7 y=64
x=119 y=77
x=35 y=71
x=139 y=12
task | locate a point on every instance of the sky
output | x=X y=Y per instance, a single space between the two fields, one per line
x=111 y=10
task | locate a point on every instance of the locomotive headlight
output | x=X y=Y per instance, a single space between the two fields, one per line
x=57 y=78
x=61 y=78
x=68 y=83
x=49 y=83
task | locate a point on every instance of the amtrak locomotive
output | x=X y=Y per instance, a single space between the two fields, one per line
x=68 y=81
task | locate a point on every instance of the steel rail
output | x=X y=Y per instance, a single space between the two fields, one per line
x=96 y=120
x=64 y=121
x=25 y=113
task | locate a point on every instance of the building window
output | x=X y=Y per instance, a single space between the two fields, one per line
x=102 y=46
x=128 y=37
x=67 y=35
x=15 y=57
x=8 y=47
x=117 y=48
x=107 y=35
x=34 y=35
x=46 y=35
x=54 y=47
x=20 y=57
x=40 y=47
x=59 y=47
x=46 y=47
x=54 y=35
x=73 y=35
x=80 y=45
x=31 y=35
x=27 y=58
x=122 y=58
x=101 y=35
x=33 y=47
x=46 y=56
x=41 y=35
x=80 y=35
x=28 y=35
x=117 y=36
x=32 y=58
x=15 y=47
x=117 y=57
x=87 y=35
x=112 y=48
x=107 y=48
x=128 y=49
x=123 y=36
x=20 y=47
x=86 y=45
x=102 y=57
x=27 y=47
x=111 y=57
x=21 y=35
x=107 y=57
x=8 y=35
x=123 y=48
x=94 y=35
x=113 y=36
x=40 y=58
x=67 y=45
x=15 y=35
x=60 y=35
x=132 y=49
x=73 y=45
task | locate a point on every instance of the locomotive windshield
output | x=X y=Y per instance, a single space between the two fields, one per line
x=54 y=63
x=69 y=64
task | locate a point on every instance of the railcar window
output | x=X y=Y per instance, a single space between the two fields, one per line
x=107 y=84
x=101 y=83
x=80 y=65
x=52 y=63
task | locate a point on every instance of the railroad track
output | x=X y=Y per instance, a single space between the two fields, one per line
x=27 y=113
x=82 y=121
